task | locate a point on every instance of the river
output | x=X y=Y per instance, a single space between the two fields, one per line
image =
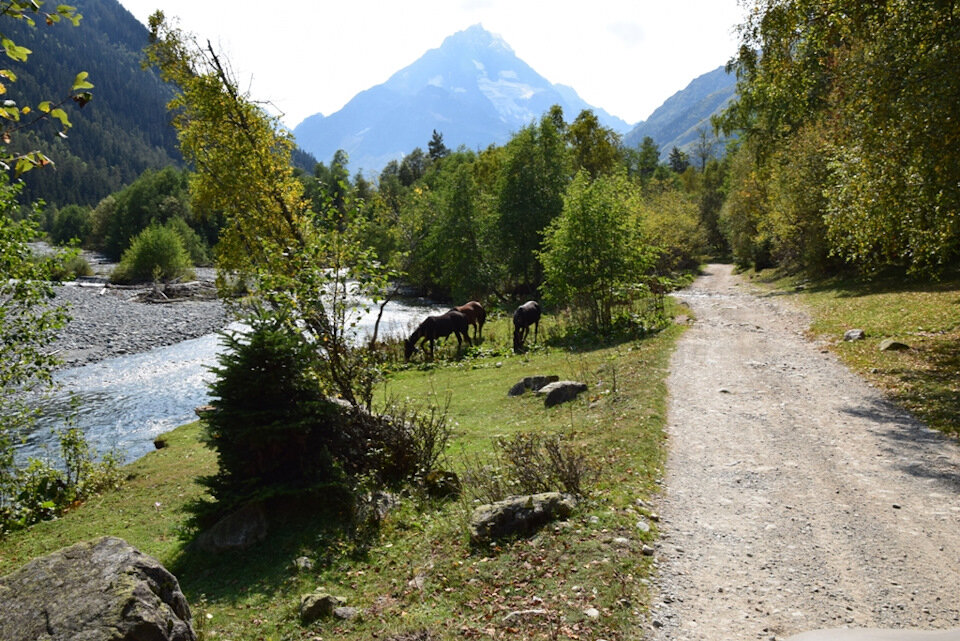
x=123 y=403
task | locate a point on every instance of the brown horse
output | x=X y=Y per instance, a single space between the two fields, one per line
x=476 y=316
x=434 y=327
x=526 y=315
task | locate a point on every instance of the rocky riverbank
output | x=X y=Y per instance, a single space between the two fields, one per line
x=108 y=322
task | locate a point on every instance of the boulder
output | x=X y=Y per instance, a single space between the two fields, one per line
x=101 y=589
x=319 y=605
x=560 y=392
x=533 y=383
x=518 y=515
x=854 y=335
x=890 y=345
x=236 y=531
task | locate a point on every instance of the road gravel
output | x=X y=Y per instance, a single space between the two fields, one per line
x=795 y=496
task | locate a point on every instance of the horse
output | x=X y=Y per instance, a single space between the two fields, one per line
x=526 y=315
x=440 y=326
x=476 y=316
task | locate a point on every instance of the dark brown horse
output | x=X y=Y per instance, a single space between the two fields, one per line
x=526 y=315
x=434 y=327
x=476 y=316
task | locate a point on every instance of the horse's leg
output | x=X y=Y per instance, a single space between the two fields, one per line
x=536 y=330
x=431 y=349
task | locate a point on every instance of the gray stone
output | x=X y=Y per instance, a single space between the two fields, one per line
x=101 y=589
x=345 y=613
x=236 y=531
x=319 y=605
x=518 y=515
x=560 y=392
x=854 y=335
x=646 y=550
x=303 y=563
x=890 y=345
x=533 y=383
x=643 y=526
x=525 y=614
x=592 y=613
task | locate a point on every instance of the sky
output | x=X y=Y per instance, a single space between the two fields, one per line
x=306 y=57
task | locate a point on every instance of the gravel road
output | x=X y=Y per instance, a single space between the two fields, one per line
x=795 y=497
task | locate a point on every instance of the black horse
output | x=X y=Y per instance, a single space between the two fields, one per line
x=434 y=327
x=526 y=315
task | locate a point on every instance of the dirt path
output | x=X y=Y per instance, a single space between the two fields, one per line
x=795 y=497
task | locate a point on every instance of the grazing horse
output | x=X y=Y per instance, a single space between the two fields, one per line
x=476 y=316
x=434 y=327
x=526 y=315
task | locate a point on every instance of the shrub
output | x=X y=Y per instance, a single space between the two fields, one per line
x=71 y=222
x=73 y=267
x=530 y=463
x=191 y=241
x=156 y=254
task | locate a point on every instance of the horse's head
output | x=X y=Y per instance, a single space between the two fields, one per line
x=409 y=345
x=517 y=344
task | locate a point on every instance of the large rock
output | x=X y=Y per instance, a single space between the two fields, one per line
x=236 y=531
x=534 y=383
x=518 y=515
x=560 y=392
x=103 y=589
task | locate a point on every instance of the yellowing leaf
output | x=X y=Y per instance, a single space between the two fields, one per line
x=61 y=115
x=80 y=82
x=44 y=106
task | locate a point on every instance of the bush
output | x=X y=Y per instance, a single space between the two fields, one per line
x=73 y=267
x=191 y=241
x=530 y=463
x=156 y=254
x=71 y=222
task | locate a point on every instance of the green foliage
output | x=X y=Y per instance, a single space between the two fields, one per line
x=72 y=222
x=532 y=181
x=865 y=96
x=192 y=243
x=595 y=149
x=156 y=254
x=594 y=253
x=744 y=210
x=154 y=198
x=671 y=222
x=41 y=491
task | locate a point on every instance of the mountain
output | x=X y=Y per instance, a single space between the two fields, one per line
x=676 y=121
x=124 y=130
x=472 y=89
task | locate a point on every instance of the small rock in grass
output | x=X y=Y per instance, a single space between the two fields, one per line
x=592 y=613
x=890 y=345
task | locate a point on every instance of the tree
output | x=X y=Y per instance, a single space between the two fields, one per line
x=436 y=149
x=296 y=259
x=679 y=161
x=703 y=149
x=412 y=167
x=594 y=252
x=649 y=158
x=595 y=149
x=533 y=177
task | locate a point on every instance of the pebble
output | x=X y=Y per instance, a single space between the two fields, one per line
x=108 y=322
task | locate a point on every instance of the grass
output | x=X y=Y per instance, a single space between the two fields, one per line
x=925 y=315
x=417 y=576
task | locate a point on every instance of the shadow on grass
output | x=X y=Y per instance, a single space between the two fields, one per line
x=852 y=286
x=932 y=393
x=321 y=532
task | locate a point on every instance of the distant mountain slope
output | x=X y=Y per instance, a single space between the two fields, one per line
x=122 y=131
x=676 y=121
x=472 y=89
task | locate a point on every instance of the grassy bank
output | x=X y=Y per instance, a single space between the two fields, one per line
x=416 y=577
x=926 y=316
